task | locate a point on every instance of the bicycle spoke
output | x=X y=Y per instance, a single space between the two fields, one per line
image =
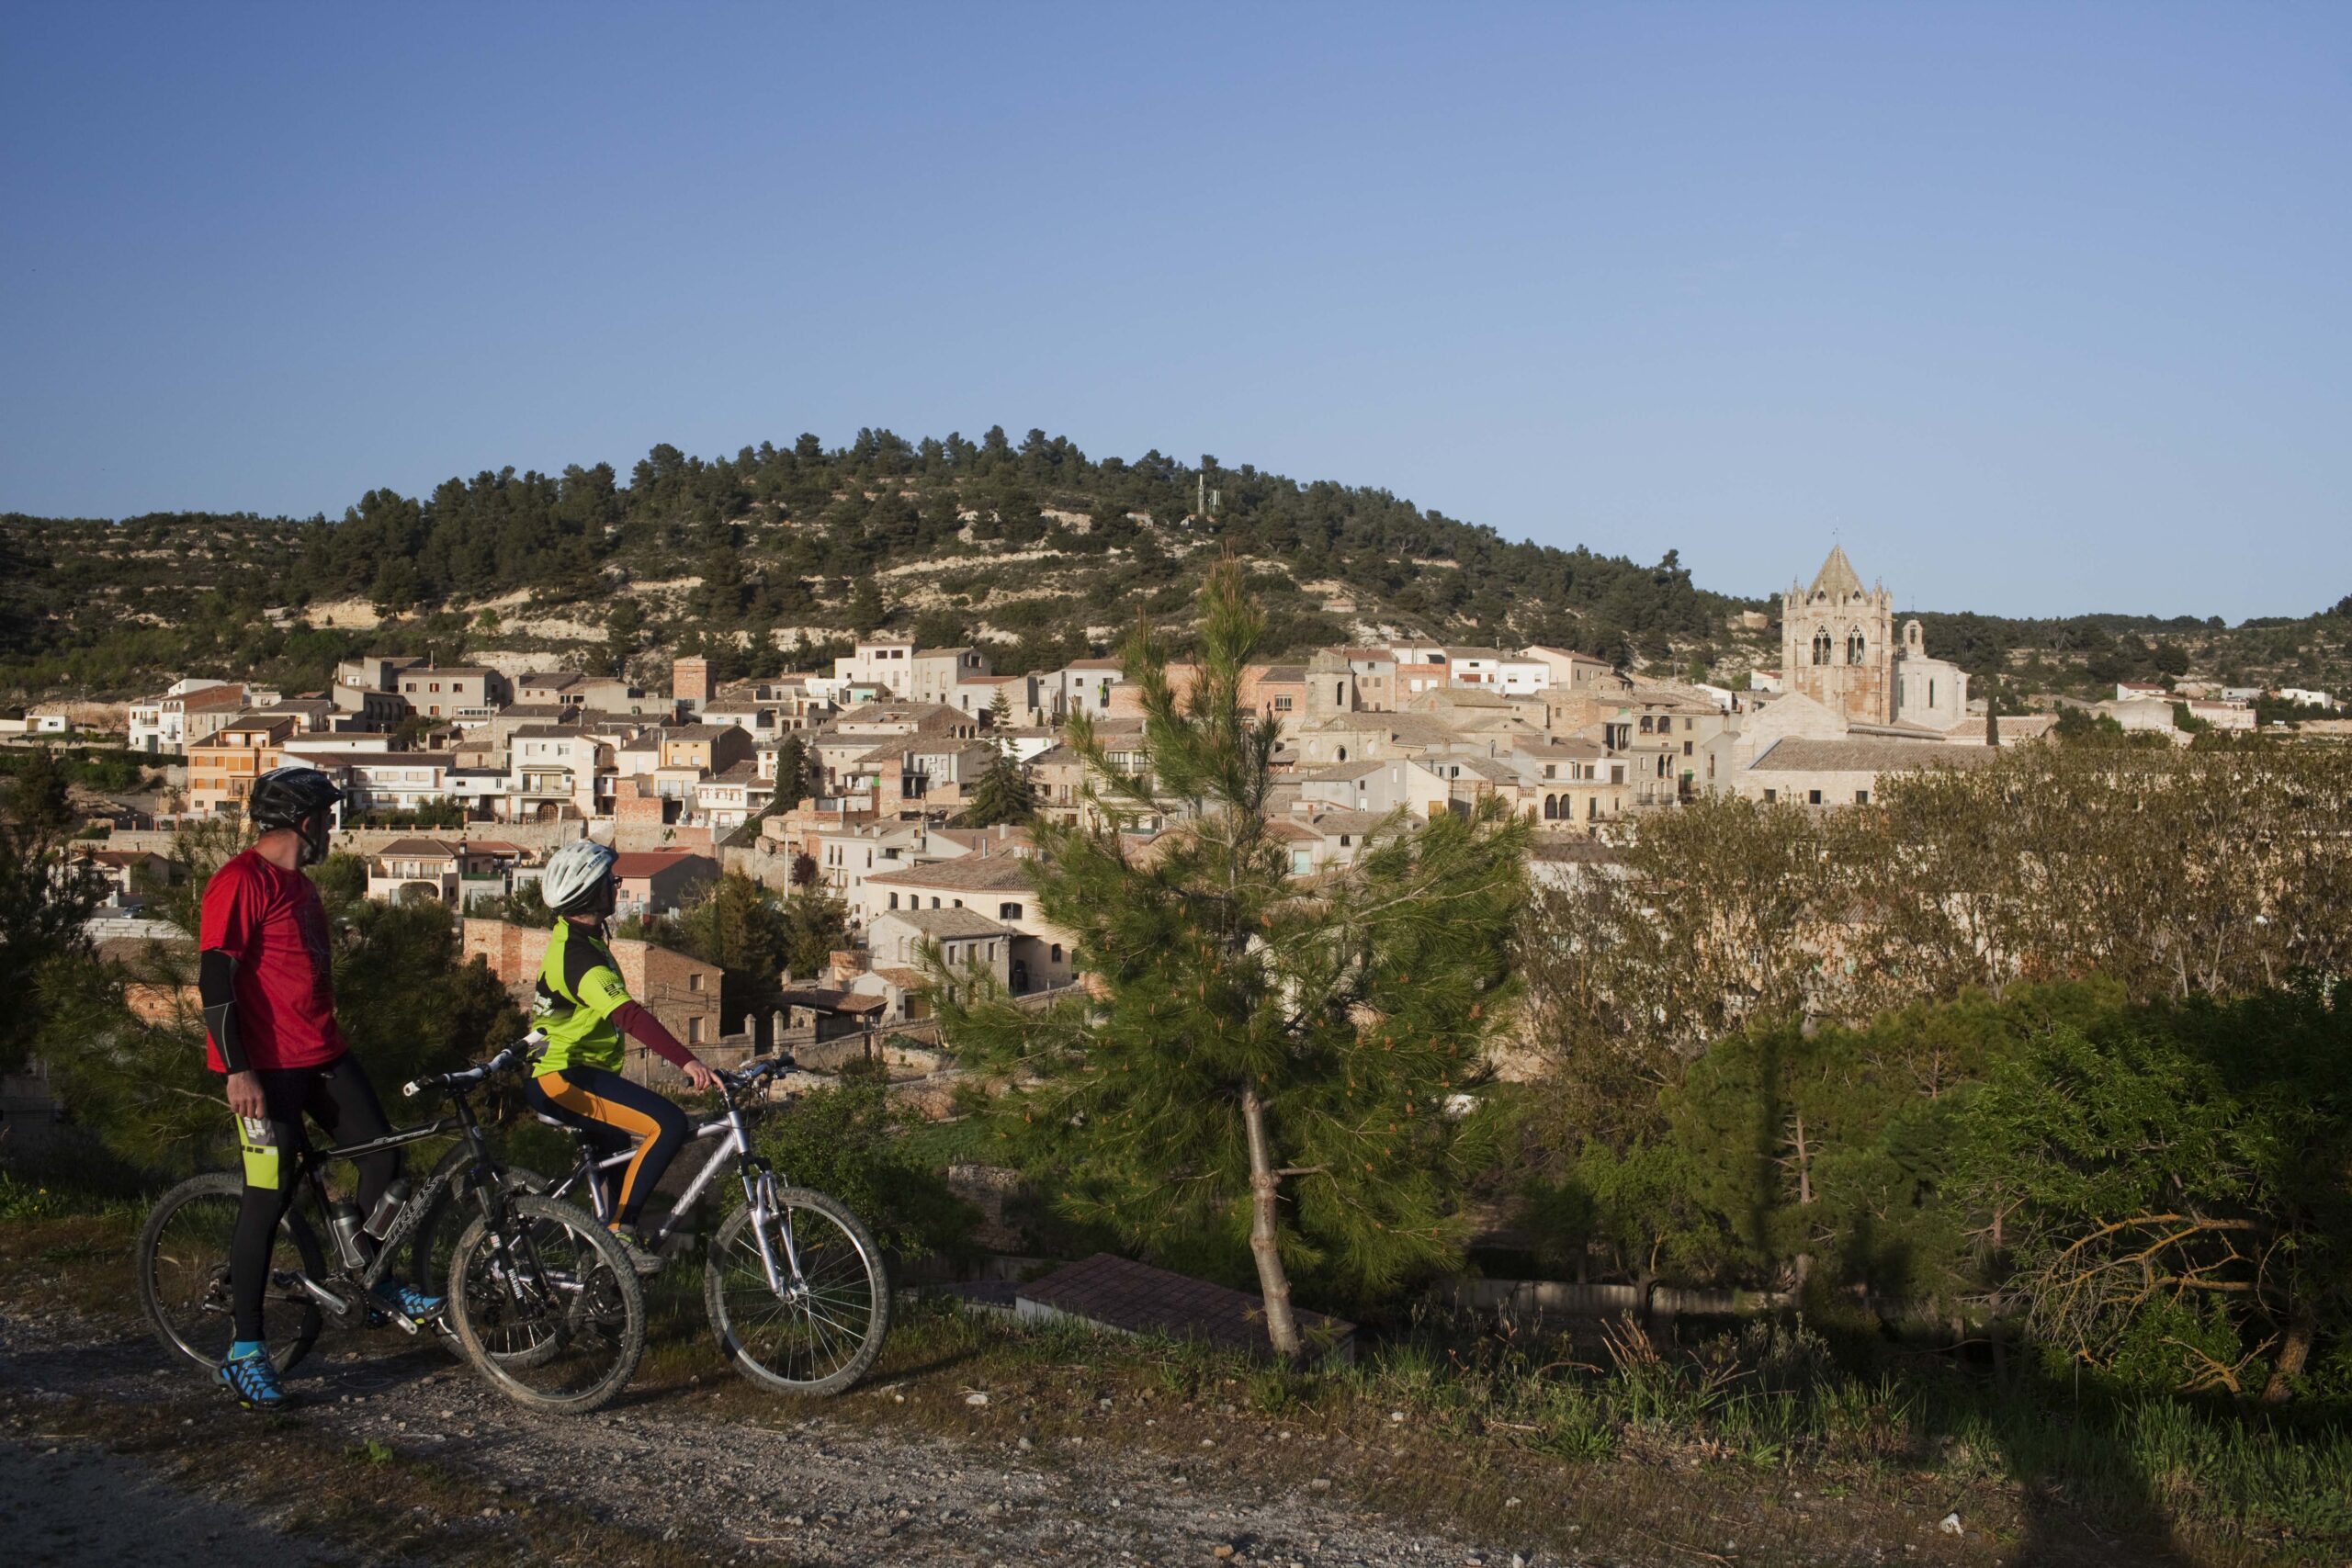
x=556 y=1325
x=184 y=1278
x=819 y=1324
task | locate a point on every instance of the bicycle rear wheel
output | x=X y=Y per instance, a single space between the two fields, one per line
x=183 y=1260
x=819 y=1329
x=547 y=1306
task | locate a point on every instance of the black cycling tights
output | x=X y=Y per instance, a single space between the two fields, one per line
x=337 y=1096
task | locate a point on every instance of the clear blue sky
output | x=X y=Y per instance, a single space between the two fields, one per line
x=2044 y=308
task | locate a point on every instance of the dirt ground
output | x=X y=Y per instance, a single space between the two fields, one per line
x=67 y=1502
x=803 y=1490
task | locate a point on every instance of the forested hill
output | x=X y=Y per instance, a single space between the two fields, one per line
x=766 y=560
x=1034 y=546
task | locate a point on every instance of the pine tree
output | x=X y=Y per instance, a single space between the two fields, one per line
x=1993 y=711
x=816 y=924
x=42 y=905
x=866 y=610
x=1002 y=794
x=40 y=796
x=1258 y=1055
x=1000 y=718
x=622 y=628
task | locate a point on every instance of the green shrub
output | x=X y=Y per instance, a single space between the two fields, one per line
x=842 y=1142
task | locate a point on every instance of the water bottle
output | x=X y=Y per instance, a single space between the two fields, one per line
x=342 y=1219
x=388 y=1209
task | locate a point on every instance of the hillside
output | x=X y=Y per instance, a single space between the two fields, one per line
x=765 y=560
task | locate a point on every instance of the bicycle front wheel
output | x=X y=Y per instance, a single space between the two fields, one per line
x=436 y=1242
x=819 y=1328
x=183 y=1261
x=547 y=1306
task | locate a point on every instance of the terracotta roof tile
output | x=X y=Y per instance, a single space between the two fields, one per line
x=984 y=873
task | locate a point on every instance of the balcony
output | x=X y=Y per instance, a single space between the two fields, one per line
x=390 y=885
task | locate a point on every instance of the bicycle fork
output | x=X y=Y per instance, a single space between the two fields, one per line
x=514 y=1262
x=762 y=1202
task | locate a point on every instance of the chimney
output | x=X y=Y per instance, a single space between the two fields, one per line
x=690 y=681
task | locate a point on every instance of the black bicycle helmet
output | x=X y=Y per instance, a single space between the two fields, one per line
x=299 y=798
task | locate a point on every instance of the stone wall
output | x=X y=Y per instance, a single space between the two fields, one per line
x=760 y=862
x=538 y=837
x=32 y=1113
x=639 y=838
x=1795 y=786
x=831 y=1056
x=987 y=1188
x=105 y=719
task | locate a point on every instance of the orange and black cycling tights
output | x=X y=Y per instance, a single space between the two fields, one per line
x=615 y=1114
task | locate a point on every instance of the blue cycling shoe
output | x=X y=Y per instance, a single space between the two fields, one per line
x=253 y=1379
x=406 y=1302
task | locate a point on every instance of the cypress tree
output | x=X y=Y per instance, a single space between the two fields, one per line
x=1256 y=1057
x=795 y=780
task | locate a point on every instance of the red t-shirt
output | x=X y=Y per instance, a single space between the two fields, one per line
x=272 y=923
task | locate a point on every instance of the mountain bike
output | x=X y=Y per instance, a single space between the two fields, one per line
x=794 y=1285
x=541 y=1299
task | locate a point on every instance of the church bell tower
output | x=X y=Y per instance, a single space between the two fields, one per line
x=1837 y=642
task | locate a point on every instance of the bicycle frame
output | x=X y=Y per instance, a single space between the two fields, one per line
x=734 y=1143
x=472 y=1158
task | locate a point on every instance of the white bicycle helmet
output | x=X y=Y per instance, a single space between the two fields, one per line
x=579 y=879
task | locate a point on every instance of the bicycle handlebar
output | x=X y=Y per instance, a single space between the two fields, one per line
x=752 y=1073
x=524 y=1050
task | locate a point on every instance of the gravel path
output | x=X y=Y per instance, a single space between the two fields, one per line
x=67 y=1504
x=800 y=1488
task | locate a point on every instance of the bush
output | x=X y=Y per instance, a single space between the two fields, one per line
x=844 y=1143
x=2169 y=1188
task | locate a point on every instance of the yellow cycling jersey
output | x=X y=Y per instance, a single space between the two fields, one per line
x=580 y=988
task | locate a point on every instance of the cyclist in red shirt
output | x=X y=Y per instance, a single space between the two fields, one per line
x=266 y=977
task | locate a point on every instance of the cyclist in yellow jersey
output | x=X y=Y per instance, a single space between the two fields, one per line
x=583 y=1009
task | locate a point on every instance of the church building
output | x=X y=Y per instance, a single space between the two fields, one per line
x=1838 y=648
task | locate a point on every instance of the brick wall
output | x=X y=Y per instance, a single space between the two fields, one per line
x=166 y=1006
x=681 y=992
